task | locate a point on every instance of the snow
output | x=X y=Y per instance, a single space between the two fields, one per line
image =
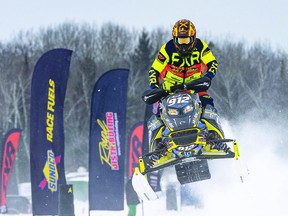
x=262 y=167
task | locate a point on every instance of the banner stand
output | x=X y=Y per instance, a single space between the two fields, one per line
x=107 y=141
x=47 y=144
x=66 y=200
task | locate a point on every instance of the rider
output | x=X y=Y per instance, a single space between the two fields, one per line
x=183 y=59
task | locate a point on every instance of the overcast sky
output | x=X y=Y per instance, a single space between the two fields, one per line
x=252 y=20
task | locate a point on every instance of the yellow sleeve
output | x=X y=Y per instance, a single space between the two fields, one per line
x=161 y=59
x=206 y=53
x=209 y=60
x=157 y=67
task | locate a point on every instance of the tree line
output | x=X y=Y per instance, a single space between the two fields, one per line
x=248 y=78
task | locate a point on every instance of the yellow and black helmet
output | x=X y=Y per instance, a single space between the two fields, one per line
x=184 y=36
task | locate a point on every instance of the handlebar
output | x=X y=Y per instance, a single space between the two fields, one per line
x=153 y=95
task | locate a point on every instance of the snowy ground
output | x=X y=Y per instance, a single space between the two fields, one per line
x=261 y=190
x=262 y=165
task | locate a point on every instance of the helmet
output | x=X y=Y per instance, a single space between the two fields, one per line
x=184 y=36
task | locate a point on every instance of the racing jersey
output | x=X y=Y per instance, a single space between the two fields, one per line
x=169 y=68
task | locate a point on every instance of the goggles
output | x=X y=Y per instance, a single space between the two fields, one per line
x=185 y=40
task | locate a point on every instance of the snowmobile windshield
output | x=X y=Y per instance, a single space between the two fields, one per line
x=179 y=104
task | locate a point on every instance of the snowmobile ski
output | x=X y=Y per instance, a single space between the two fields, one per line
x=142 y=187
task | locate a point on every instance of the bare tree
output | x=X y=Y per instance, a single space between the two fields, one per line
x=225 y=86
x=247 y=77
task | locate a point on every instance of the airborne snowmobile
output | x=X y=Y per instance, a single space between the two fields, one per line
x=184 y=134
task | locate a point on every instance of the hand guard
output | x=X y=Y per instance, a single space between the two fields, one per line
x=199 y=85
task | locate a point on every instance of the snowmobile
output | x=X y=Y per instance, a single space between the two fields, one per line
x=184 y=134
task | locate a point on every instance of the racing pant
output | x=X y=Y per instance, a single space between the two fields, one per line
x=205 y=99
x=210 y=113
